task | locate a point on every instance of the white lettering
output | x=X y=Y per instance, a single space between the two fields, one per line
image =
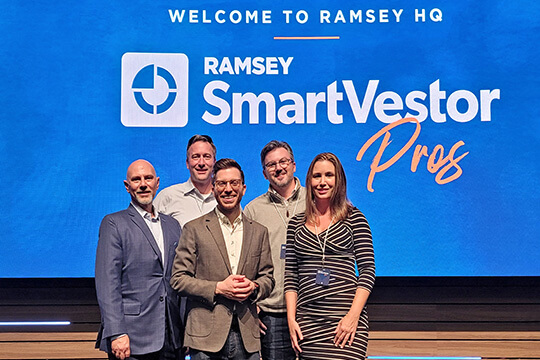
x=312 y=101
x=435 y=15
x=285 y=64
x=242 y=65
x=435 y=97
x=381 y=105
x=421 y=109
x=383 y=15
x=254 y=102
x=370 y=14
x=397 y=14
x=287 y=14
x=210 y=64
x=302 y=17
x=258 y=66
x=212 y=99
x=360 y=112
x=297 y=108
x=355 y=16
x=333 y=97
x=272 y=66
x=193 y=16
x=267 y=17
x=219 y=19
x=176 y=15
x=419 y=14
x=486 y=97
x=324 y=16
x=472 y=105
x=339 y=17
x=226 y=66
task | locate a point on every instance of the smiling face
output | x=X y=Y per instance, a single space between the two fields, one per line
x=228 y=191
x=200 y=161
x=323 y=180
x=142 y=183
x=279 y=168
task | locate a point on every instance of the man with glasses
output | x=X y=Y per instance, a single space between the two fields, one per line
x=223 y=266
x=189 y=200
x=285 y=198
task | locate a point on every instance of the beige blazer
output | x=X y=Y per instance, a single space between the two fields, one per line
x=201 y=261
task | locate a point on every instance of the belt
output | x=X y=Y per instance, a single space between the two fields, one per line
x=273 y=314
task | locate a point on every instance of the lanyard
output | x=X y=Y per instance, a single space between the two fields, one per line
x=323 y=245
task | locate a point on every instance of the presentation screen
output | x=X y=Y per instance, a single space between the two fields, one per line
x=430 y=105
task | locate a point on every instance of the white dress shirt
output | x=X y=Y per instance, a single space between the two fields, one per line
x=233 y=235
x=154 y=225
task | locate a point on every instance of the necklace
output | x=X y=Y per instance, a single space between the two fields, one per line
x=279 y=213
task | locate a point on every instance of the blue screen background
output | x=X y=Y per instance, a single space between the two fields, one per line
x=65 y=152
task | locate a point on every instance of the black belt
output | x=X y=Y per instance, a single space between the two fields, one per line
x=274 y=314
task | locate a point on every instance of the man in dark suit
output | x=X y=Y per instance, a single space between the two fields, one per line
x=139 y=310
x=223 y=265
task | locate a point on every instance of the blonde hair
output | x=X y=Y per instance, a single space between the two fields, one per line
x=340 y=206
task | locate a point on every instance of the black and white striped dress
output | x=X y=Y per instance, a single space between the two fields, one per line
x=320 y=308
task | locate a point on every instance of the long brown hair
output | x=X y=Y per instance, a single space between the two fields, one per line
x=340 y=206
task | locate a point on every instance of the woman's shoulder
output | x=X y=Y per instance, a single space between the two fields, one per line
x=298 y=219
x=356 y=215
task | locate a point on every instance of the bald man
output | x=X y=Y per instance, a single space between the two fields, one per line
x=139 y=310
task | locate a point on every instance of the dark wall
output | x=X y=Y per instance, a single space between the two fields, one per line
x=397 y=303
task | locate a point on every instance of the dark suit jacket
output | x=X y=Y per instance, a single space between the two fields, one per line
x=133 y=284
x=201 y=261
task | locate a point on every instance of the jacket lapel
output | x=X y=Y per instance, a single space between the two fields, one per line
x=139 y=221
x=246 y=244
x=167 y=240
x=212 y=224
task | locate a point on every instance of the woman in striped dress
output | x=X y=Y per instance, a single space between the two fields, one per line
x=325 y=298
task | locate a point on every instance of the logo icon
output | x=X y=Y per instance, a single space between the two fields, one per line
x=154 y=90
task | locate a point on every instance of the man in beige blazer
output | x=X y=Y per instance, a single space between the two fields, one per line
x=223 y=266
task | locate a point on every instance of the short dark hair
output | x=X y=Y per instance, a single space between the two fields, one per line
x=274 y=144
x=226 y=163
x=204 y=138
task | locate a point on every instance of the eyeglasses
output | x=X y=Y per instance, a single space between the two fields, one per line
x=272 y=166
x=221 y=185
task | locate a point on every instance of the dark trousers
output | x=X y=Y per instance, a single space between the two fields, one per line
x=276 y=343
x=232 y=350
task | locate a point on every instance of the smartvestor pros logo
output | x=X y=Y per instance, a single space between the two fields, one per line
x=154 y=90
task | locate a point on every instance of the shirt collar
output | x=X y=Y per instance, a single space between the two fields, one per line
x=225 y=220
x=191 y=189
x=277 y=197
x=145 y=214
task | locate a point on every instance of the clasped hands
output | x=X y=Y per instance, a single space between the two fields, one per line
x=235 y=287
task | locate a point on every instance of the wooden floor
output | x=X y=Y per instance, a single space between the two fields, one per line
x=487 y=345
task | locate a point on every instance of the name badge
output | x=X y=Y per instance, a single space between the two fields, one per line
x=323 y=277
x=283 y=251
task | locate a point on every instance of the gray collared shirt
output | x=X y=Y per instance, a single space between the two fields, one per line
x=184 y=202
